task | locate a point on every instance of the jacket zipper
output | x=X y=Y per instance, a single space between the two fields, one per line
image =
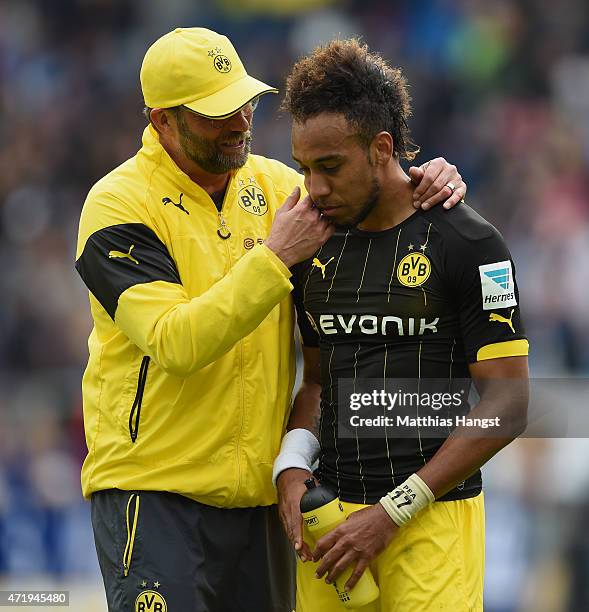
x=135 y=414
x=224 y=232
x=131 y=532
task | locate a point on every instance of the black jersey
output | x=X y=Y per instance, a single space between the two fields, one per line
x=420 y=300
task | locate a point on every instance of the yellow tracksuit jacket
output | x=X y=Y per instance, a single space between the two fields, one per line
x=191 y=367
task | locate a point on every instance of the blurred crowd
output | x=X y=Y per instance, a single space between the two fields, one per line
x=501 y=89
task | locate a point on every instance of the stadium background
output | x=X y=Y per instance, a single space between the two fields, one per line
x=500 y=88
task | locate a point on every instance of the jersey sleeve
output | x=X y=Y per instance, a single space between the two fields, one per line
x=309 y=335
x=482 y=274
x=130 y=272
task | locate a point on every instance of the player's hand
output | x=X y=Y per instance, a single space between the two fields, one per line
x=298 y=230
x=356 y=541
x=291 y=487
x=432 y=180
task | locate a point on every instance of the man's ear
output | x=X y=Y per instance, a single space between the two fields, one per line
x=381 y=148
x=162 y=120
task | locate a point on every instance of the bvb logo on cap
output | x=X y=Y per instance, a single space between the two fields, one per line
x=221 y=62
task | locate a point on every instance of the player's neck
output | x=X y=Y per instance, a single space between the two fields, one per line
x=395 y=202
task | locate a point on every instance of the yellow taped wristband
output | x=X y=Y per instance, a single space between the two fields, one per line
x=404 y=502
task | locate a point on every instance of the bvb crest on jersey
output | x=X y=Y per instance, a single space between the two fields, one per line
x=252 y=199
x=150 y=601
x=414 y=269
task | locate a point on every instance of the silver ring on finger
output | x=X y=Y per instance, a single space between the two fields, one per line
x=451 y=186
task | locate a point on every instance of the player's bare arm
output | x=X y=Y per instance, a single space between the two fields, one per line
x=464 y=452
x=367 y=532
x=290 y=482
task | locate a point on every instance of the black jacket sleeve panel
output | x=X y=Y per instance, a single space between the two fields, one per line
x=120 y=256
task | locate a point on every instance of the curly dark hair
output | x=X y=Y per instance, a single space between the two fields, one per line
x=345 y=77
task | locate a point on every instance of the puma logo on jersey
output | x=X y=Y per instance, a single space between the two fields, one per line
x=121 y=255
x=321 y=266
x=177 y=205
x=499 y=319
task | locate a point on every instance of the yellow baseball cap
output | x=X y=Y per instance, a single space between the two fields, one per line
x=199 y=69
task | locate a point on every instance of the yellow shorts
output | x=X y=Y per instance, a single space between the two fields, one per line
x=435 y=562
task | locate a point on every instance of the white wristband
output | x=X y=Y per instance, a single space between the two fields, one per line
x=299 y=449
x=407 y=500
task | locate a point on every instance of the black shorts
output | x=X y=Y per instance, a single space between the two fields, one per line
x=163 y=552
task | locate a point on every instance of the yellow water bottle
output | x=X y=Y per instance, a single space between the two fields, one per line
x=322 y=512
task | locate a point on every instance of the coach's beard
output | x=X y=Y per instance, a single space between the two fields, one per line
x=210 y=158
x=207 y=153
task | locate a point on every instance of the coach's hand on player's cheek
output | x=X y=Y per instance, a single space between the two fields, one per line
x=432 y=180
x=357 y=541
x=298 y=230
x=291 y=487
